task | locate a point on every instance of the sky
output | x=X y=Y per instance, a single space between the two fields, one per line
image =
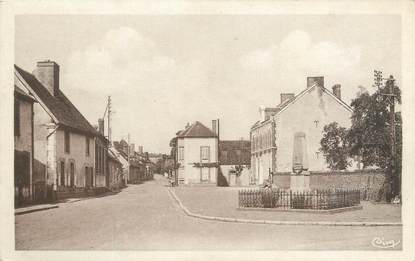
x=163 y=71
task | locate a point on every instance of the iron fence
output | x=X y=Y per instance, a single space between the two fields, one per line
x=287 y=199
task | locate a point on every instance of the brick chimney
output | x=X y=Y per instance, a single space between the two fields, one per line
x=132 y=148
x=214 y=128
x=319 y=80
x=286 y=96
x=47 y=72
x=337 y=91
x=101 y=126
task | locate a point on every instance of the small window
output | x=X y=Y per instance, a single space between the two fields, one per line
x=87 y=151
x=16 y=117
x=67 y=143
x=181 y=153
x=204 y=153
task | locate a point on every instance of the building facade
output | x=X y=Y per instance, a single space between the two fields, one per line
x=297 y=121
x=196 y=155
x=64 y=141
x=27 y=187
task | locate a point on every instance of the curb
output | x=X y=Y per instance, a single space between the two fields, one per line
x=34 y=210
x=276 y=222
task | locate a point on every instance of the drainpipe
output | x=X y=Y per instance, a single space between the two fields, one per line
x=54 y=184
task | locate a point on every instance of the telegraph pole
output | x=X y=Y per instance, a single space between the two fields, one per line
x=109 y=118
x=390 y=88
x=391 y=84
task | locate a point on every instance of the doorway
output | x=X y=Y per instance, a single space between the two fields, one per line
x=72 y=174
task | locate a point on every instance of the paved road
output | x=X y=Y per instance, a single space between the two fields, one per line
x=145 y=217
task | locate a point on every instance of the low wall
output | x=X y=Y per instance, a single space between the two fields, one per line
x=370 y=180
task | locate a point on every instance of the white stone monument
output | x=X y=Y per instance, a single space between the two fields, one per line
x=300 y=177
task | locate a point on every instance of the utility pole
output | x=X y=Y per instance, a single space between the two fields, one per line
x=128 y=155
x=391 y=179
x=109 y=118
x=391 y=84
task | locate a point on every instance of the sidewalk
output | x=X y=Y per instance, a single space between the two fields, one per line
x=46 y=206
x=222 y=202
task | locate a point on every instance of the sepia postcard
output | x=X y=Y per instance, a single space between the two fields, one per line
x=196 y=130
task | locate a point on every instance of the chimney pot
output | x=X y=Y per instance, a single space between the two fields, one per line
x=214 y=128
x=101 y=126
x=47 y=73
x=286 y=96
x=337 y=91
x=319 y=80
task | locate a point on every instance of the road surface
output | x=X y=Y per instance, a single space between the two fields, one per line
x=145 y=217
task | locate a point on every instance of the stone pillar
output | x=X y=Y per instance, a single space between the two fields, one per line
x=300 y=177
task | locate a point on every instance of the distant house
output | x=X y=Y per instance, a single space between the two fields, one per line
x=196 y=155
x=287 y=137
x=133 y=164
x=27 y=186
x=63 y=139
x=235 y=161
x=114 y=170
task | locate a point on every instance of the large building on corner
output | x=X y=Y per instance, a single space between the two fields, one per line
x=297 y=117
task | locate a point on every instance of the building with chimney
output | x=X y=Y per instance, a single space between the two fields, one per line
x=196 y=154
x=64 y=141
x=287 y=137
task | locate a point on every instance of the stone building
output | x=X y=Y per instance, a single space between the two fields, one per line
x=296 y=122
x=26 y=185
x=196 y=155
x=64 y=141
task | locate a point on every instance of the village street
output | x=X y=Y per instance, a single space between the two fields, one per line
x=145 y=217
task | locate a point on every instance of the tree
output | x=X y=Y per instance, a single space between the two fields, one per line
x=334 y=146
x=372 y=137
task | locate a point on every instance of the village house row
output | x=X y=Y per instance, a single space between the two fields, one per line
x=58 y=153
x=284 y=141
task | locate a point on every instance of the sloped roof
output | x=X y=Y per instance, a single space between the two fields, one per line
x=280 y=107
x=59 y=105
x=113 y=156
x=234 y=152
x=21 y=94
x=197 y=130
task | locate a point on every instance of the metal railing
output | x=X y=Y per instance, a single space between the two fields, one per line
x=287 y=199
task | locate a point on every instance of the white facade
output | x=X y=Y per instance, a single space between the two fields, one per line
x=307 y=113
x=192 y=151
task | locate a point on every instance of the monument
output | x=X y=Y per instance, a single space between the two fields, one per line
x=300 y=177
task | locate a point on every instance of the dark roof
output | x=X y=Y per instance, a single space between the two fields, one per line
x=21 y=94
x=197 y=130
x=59 y=105
x=234 y=152
x=112 y=156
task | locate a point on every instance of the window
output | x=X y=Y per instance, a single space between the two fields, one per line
x=16 y=117
x=67 y=143
x=181 y=153
x=87 y=146
x=204 y=153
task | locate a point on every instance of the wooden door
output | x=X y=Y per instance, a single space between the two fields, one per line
x=72 y=174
